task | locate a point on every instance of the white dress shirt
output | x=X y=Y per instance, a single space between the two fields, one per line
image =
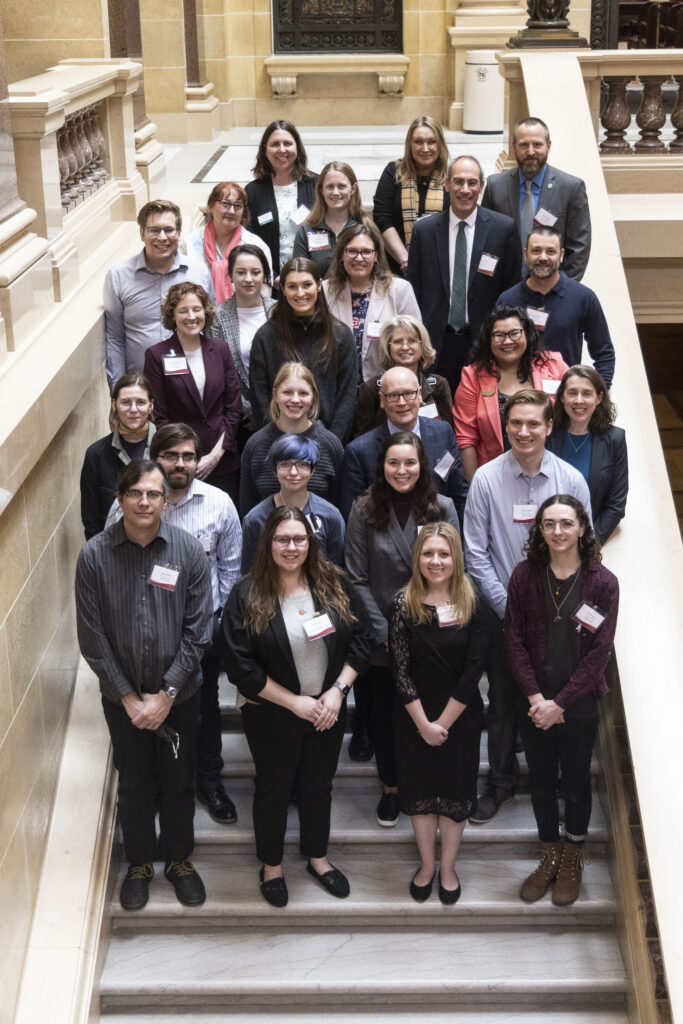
x=453 y=223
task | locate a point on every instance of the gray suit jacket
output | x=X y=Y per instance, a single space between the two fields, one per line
x=379 y=563
x=562 y=195
x=227 y=326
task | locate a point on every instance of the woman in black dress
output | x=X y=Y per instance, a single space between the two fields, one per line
x=438 y=636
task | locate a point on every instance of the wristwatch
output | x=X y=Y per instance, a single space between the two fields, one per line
x=346 y=690
x=170 y=691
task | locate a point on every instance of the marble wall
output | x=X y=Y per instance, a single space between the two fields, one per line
x=40 y=536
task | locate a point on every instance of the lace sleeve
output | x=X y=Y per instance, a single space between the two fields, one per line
x=399 y=652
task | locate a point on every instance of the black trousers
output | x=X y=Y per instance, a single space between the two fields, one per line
x=501 y=718
x=147 y=769
x=210 y=739
x=381 y=686
x=567 y=748
x=454 y=354
x=290 y=755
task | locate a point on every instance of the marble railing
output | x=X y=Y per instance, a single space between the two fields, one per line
x=81 y=153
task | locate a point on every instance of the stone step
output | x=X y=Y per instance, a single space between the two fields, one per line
x=207 y=968
x=379 y=896
x=361 y=1013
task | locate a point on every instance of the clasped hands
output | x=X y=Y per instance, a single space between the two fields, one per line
x=545 y=713
x=433 y=734
x=322 y=711
x=148 y=712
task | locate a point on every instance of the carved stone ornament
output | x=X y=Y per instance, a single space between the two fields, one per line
x=651 y=117
x=616 y=116
x=284 y=86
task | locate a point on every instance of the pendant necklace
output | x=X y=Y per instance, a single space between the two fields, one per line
x=577 y=450
x=558 y=617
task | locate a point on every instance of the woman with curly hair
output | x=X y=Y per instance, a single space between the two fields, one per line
x=438 y=638
x=193 y=380
x=295 y=641
x=560 y=620
x=507 y=358
x=382 y=529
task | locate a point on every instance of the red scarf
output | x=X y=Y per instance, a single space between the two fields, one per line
x=219 y=268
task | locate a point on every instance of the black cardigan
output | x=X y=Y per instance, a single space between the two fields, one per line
x=101 y=467
x=261 y=198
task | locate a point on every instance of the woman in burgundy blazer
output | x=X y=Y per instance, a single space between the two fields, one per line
x=194 y=381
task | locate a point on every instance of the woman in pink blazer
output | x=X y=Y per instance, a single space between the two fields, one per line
x=507 y=358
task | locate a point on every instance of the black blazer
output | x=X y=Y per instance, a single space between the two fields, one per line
x=607 y=477
x=249 y=660
x=261 y=198
x=102 y=464
x=428 y=270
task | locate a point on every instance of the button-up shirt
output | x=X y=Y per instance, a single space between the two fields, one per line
x=133 y=295
x=494 y=544
x=135 y=635
x=209 y=515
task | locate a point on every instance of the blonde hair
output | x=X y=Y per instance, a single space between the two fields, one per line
x=300 y=372
x=417 y=329
x=405 y=167
x=317 y=214
x=461 y=596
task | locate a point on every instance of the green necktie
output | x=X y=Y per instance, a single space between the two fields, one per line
x=456 y=315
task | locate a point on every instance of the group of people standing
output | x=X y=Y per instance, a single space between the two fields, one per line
x=423 y=484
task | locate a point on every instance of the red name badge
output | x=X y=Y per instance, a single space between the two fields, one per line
x=589 y=616
x=164 y=576
x=319 y=625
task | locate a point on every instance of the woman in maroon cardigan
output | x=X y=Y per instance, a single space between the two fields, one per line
x=559 y=629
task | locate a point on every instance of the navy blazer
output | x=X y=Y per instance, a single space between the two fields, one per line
x=428 y=270
x=360 y=463
x=177 y=400
x=607 y=477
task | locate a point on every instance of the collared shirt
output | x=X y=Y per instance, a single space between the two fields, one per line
x=324 y=518
x=453 y=223
x=494 y=544
x=137 y=636
x=536 y=186
x=133 y=295
x=415 y=429
x=209 y=515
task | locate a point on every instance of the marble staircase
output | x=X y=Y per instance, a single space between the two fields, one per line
x=376 y=956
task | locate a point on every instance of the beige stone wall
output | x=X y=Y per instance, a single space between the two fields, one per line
x=40 y=536
x=39 y=34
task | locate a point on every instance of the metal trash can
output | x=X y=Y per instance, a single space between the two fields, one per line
x=484 y=103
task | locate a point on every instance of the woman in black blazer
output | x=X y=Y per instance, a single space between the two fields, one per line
x=283 y=190
x=584 y=435
x=294 y=643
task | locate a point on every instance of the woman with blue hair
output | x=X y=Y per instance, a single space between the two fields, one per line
x=293 y=458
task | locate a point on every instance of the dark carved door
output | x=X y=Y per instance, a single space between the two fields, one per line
x=338 y=26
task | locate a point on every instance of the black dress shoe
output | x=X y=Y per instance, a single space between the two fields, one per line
x=219 y=805
x=360 y=745
x=449 y=896
x=274 y=891
x=332 y=880
x=135 y=886
x=420 y=893
x=188 y=886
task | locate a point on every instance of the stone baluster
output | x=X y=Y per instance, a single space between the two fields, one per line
x=676 y=145
x=83 y=141
x=80 y=183
x=63 y=163
x=651 y=117
x=100 y=143
x=71 y=191
x=616 y=116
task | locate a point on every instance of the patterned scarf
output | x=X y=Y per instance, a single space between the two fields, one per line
x=410 y=203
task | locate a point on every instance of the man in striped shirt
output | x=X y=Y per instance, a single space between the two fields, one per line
x=143 y=604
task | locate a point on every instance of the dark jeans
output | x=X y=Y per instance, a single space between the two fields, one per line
x=289 y=754
x=147 y=770
x=381 y=687
x=567 y=748
x=210 y=739
x=501 y=718
x=453 y=356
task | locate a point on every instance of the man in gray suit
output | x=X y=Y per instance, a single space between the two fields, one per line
x=534 y=193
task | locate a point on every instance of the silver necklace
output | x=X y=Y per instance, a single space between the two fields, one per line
x=558 y=617
x=577 y=450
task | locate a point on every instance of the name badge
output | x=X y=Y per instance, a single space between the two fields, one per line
x=429 y=411
x=315 y=522
x=373 y=329
x=300 y=214
x=318 y=240
x=487 y=264
x=550 y=386
x=538 y=317
x=443 y=466
x=174 y=365
x=545 y=217
x=206 y=543
x=524 y=512
x=265 y=218
x=588 y=616
x=319 y=625
x=165 y=577
x=447 y=615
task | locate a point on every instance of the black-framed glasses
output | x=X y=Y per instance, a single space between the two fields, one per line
x=514 y=335
x=187 y=457
x=228 y=205
x=395 y=396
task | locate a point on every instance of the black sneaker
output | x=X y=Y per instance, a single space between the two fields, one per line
x=188 y=886
x=135 y=886
x=488 y=804
x=219 y=805
x=387 y=810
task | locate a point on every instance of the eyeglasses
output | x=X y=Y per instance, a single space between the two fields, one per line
x=393 y=397
x=187 y=457
x=135 y=495
x=365 y=254
x=133 y=403
x=158 y=232
x=227 y=205
x=287 y=465
x=565 y=525
x=284 y=542
x=513 y=335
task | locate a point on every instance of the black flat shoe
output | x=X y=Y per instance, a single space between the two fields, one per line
x=219 y=805
x=274 y=891
x=449 y=896
x=360 y=745
x=420 y=893
x=332 y=880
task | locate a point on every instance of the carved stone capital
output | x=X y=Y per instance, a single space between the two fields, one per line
x=391 y=85
x=284 y=86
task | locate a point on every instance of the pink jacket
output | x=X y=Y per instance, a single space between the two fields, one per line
x=475 y=407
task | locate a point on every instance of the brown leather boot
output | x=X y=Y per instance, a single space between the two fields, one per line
x=568 y=879
x=538 y=882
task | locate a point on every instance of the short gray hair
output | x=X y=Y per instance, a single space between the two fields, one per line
x=464 y=156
